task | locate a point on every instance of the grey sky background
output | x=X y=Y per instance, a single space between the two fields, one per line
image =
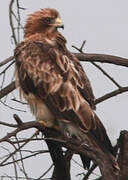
x=104 y=24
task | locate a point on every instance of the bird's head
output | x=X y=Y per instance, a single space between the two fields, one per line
x=45 y=20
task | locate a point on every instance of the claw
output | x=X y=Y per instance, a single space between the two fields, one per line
x=43 y=123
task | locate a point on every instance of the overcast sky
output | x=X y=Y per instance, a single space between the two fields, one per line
x=104 y=24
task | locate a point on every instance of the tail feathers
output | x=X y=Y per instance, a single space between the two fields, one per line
x=101 y=137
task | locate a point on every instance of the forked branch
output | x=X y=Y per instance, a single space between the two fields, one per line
x=89 y=148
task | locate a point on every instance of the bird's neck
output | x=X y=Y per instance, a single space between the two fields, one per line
x=55 y=37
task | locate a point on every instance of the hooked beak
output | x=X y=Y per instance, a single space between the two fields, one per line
x=58 y=23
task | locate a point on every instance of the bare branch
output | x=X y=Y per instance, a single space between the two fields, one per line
x=6 y=60
x=19 y=101
x=111 y=94
x=123 y=154
x=22 y=162
x=7 y=68
x=18 y=120
x=106 y=74
x=11 y=21
x=23 y=158
x=82 y=57
x=45 y=172
x=97 y=66
x=17 y=22
x=89 y=172
x=9 y=88
x=10 y=107
x=11 y=154
x=102 y=58
x=9 y=125
x=99 y=157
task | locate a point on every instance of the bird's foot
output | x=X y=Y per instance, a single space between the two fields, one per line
x=43 y=123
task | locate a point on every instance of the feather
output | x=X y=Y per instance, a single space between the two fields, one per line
x=54 y=82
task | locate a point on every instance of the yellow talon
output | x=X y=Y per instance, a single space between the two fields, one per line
x=43 y=123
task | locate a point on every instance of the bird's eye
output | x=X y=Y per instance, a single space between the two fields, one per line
x=48 y=20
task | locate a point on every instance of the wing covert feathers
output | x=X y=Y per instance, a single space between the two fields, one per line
x=58 y=79
x=52 y=73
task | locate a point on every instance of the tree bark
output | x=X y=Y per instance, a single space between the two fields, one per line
x=123 y=155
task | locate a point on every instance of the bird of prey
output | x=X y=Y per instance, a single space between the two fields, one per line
x=53 y=81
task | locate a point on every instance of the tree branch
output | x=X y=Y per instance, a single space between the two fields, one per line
x=102 y=58
x=111 y=94
x=9 y=88
x=89 y=148
x=106 y=74
x=123 y=155
x=97 y=66
x=11 y=21
x=6 y=60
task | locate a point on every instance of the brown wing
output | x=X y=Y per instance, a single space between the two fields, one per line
x=51 y=75
x=57 y=78
x=86 y=91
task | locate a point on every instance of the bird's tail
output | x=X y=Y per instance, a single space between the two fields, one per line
x=99 y=135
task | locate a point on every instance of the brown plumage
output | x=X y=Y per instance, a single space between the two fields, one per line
x=53 y=81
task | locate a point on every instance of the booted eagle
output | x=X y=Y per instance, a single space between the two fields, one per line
x=54 y=83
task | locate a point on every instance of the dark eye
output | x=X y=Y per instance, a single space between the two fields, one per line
x=48 y=20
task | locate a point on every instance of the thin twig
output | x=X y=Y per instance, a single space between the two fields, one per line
x=6 y=60
x=17 y=119
x=9 y=125
x=11 y=22
x=102 y=58
x=30 y=139
x=97 y=66
x=45 y=172
x=101 y=158
x=2 y=81
x=23 y=158
x=22 y=178
x=15 y=168
x=13 y=158
x=19 y=101
x=9 y=88
x=10 y=107
x=14 y=152
x=7 y=68
x=106 y=74
x=17 y=22
x=90 y=171
x=111 y=94
x=22 y=163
